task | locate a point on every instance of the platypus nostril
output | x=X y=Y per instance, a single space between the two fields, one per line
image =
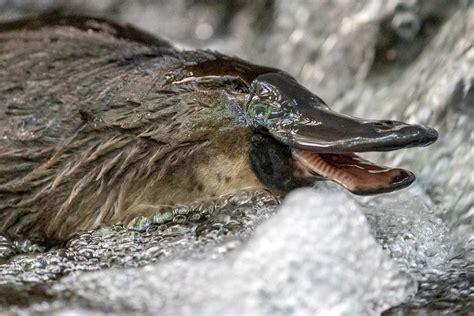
x=424 y=135
x=384 y=125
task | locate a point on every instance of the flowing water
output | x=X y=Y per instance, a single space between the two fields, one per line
x=323 y=250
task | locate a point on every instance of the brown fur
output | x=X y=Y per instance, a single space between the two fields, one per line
x=92 y=131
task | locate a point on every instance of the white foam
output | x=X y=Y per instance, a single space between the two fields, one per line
x=316 y=256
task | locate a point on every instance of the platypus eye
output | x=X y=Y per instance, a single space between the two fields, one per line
x=262 y=113
x=262 y=106
x=265 y=106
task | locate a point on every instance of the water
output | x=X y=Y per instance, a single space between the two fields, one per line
x=323 y=250
x=309 y=257
x=422 y=244
x=184 y=231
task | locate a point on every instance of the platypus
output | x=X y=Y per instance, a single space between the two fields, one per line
x=101 y=122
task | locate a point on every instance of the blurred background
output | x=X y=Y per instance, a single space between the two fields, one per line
x=408 y=60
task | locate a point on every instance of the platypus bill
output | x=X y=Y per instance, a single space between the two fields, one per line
x=101 y=123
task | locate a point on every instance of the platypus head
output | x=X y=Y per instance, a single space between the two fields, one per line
x=137 y=127
x=323 y=143
x=299 y=139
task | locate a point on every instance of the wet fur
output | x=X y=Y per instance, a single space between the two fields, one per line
x=92 y=132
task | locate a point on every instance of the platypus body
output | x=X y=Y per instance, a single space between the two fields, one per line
x=101 y=123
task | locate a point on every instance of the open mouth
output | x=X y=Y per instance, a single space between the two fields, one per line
x=323 y=142
x=354 y=173
x=327 y=150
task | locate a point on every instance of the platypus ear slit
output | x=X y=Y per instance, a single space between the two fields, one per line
x=242 y=86
x=86 y=117
x=235 y=84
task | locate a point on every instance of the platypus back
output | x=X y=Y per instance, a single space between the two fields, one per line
x=101 y=123
x=90 y=130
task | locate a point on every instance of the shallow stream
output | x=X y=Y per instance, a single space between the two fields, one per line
x=323 y=250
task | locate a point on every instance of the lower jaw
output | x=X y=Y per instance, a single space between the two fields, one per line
x=357 y=175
